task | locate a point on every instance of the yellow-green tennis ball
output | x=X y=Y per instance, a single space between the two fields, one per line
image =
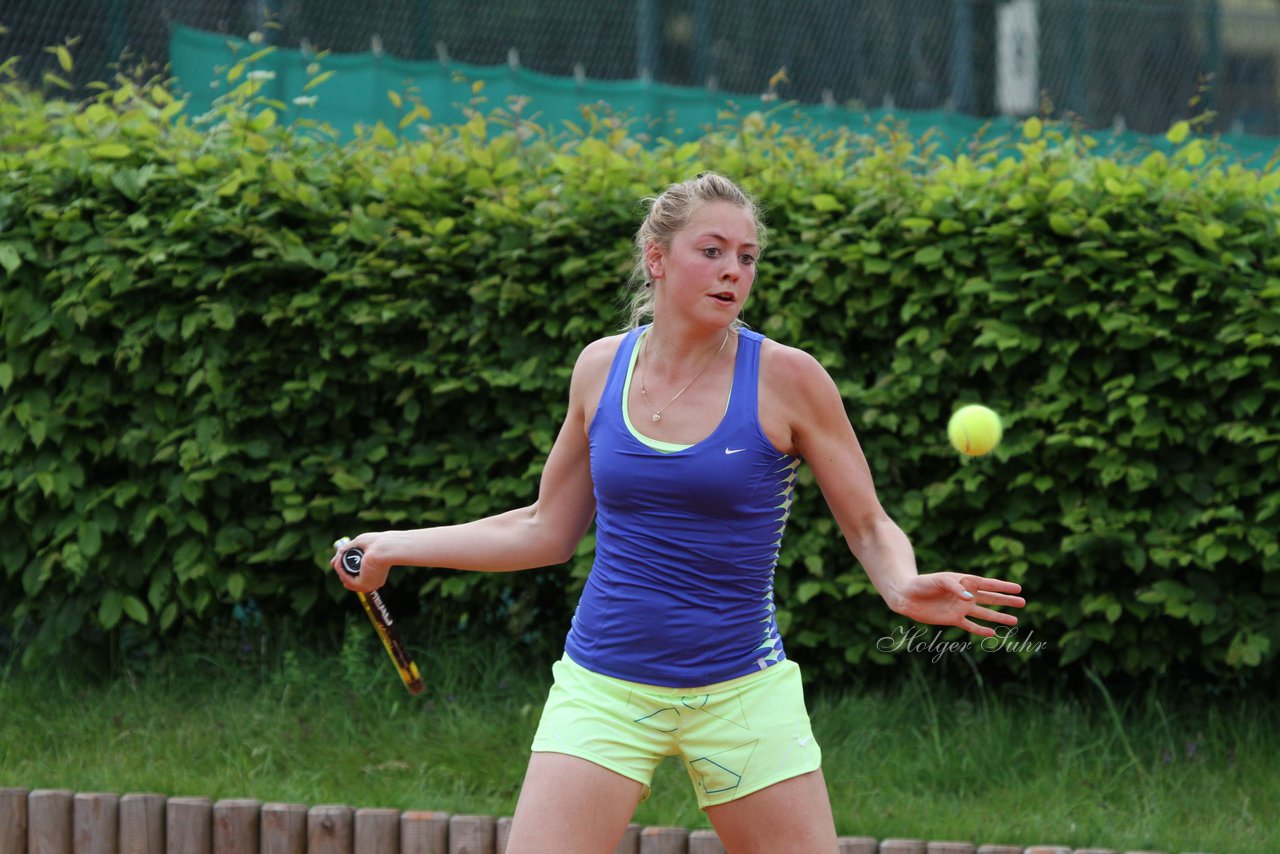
x=974 y=430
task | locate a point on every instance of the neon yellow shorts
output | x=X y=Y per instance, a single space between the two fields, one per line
x=735 y=737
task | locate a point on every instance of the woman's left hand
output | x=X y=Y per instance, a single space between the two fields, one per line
x=955 y=599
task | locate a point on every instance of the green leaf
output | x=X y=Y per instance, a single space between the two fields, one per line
x=168 y=615
x=110 y=609
x=929 y=256
x=347 y=482
x=806 y=590
x=1193 y=152
x=317 y=80
x=1202 y=613
x=136 y=610
x=1062 y=190
x=231 y=186
x=1062 y=224
x=282 y=171
x=129 y=182
x=826 y=202
x=9 y=258
x=1247 y=649
x=90 y=538
x=111 y=150
x=223 y=316
x=263 y=120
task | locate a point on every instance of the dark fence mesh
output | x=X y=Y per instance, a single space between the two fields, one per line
x=1134 y=63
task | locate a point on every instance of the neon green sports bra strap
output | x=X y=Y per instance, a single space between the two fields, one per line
x=656 y=444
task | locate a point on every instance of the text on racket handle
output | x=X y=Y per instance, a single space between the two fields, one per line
x=351 y=560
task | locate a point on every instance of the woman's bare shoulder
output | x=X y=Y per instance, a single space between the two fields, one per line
x=795 y=392
x=590 y=373
x=598 y=355
x=790 y=370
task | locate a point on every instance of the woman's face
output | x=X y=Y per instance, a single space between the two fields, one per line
x=707 y=272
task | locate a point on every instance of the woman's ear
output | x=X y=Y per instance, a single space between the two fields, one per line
x=654 y=260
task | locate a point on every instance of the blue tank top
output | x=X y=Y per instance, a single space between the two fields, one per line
x=681 y=592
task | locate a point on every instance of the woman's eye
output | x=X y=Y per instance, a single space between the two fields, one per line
x=748 y=259
x=711 y=251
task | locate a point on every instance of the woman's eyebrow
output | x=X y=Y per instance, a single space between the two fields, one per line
x=717 y=236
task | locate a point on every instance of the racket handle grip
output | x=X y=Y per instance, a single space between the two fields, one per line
x=351 y=558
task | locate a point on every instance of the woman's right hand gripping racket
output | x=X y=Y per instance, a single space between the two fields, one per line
x=382 y=623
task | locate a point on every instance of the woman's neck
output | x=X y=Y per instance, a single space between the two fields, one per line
x=679 y=352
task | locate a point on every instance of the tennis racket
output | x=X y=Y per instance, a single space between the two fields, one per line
x=382 y=623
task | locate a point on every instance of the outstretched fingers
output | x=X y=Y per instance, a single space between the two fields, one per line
x=977 y=612
x=985 y=598
x=988 y=594
x=993 y=591
x=976 y=628
x=990 y=585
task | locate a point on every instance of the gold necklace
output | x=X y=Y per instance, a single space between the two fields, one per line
x=657 y=413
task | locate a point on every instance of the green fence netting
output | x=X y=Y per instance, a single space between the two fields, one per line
x=357 y=93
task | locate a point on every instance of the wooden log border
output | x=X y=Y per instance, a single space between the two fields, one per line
x=58 y=821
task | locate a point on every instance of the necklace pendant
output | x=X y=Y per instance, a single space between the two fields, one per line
x=656 y=417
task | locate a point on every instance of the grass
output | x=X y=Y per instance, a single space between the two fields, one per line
x=1024 y=769
x=914 y=760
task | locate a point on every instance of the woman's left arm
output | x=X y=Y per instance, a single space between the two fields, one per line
x=820 y=432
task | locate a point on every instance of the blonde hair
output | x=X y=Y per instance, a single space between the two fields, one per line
x=668 y=214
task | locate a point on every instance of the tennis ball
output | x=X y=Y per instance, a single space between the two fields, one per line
x=974 y=430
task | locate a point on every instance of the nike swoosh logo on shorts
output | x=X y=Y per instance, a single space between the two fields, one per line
x=734 y=450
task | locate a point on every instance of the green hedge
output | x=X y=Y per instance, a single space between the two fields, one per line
x=229 y=340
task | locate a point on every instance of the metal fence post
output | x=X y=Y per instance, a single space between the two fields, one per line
x=1213 y=52
x=268 y=12
x=647 y=39
x=118 y=29
x=702 y=42
x=962 y=56
x=422 y=29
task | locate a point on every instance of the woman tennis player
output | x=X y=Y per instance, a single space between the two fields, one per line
x=682 y=440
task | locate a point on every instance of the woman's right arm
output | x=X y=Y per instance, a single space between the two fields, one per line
x=544 y=533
